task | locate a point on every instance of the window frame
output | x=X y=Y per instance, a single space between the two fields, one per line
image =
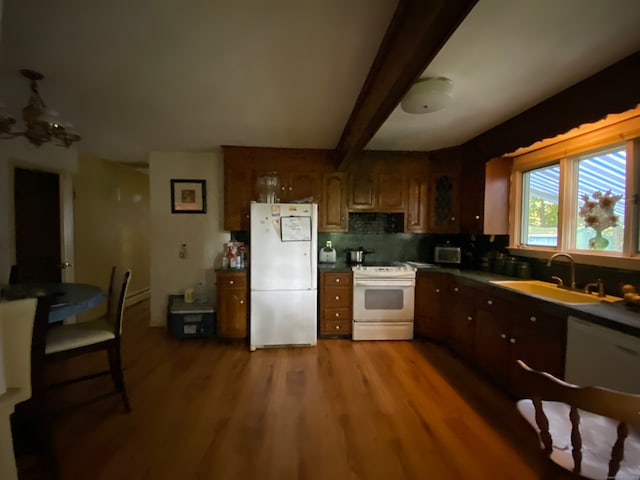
x=565 y=152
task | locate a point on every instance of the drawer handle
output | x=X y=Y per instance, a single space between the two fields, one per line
x=437 y=290
x=241 y=302
x=533 y=319
x=337 y=314
x=489 y=302
x=337 y=280
x=456 y=289
x=231 y=282
x=503 y=336
x=469 y=318
x=337 y=297
x=512 y=340
x=337 y=327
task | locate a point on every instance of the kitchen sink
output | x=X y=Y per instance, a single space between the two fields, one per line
x=551 y=291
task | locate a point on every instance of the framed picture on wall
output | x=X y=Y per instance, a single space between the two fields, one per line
x=188 y=196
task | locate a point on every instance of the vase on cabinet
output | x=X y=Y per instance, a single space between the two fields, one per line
x=598 y=242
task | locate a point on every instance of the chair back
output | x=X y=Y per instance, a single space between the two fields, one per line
x=38 y=346
x=117 y=296
x=570 y=406
x=16 y=330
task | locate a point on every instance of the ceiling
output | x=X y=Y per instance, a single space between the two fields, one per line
x=191 y=75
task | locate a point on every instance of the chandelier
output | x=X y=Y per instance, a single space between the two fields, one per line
x=41 y=125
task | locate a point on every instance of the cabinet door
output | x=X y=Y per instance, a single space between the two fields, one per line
x=472 y=209
x=462 y=326
x=332 y=208
x=492 y=339
x=231 y=304
x=391 y=192
x=232 y=313
x=303 y=186
x=417 y=204
x=432 y=318
x=238 y=193
x=362 y=191
x=539 y=338
x=444 y=203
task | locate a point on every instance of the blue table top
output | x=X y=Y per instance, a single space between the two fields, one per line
x=70 y=298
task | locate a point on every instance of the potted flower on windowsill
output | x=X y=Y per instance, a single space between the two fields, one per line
x=597 y=213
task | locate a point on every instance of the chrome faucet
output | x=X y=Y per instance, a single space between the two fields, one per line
x=572 y=264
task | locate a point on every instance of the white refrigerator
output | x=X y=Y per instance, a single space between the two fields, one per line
x=283 y=304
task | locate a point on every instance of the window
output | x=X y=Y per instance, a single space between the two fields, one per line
x=577 y=195
x=541 y=191
x=601 y=180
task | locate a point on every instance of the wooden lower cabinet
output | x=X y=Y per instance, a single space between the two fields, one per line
x=462 y=321
x=511 y=327
x=431 y=314
x=491 y=328
x=336 y=299
x=231 y=304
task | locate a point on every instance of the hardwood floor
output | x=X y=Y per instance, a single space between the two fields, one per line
x=341 y=410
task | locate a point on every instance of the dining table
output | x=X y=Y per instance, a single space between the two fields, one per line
x=69 y=298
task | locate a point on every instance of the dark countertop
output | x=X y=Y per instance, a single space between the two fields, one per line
x=339 y=266
x=616 y=316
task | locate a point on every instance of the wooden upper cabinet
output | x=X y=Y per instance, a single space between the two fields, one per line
x=333 y=207
x=238 y=193
x=415 y=217
x=300 y=172
x=391 y=192
x=306 y=185
x=444 y=202
x=444 y=191
x=379 y=192
x=496 y=195
x=472 y=190
x=296 y=186
x=362 y=191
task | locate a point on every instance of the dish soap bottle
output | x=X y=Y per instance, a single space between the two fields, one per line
x=328 y=253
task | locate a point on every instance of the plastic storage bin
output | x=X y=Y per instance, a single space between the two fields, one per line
x=190 y=320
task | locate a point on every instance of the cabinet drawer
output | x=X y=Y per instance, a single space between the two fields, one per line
x=336 y=314
x=336 y=279
x=336 y=297
x=336 y=327
x=231 y=280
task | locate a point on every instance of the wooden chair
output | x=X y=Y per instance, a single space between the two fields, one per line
x=593 y=432
x=31 y=422
x=102 y=334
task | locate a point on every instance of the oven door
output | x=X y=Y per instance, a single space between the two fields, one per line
x=379 y=300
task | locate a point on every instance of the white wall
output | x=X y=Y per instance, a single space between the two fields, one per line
x=203 y=233
x=19 y=152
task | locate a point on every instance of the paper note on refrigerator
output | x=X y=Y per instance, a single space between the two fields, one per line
x=295 y=229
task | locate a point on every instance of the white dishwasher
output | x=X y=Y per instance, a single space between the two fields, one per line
x=600 y=356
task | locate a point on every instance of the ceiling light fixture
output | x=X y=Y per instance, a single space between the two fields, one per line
x=428 y=95
x=41 y=125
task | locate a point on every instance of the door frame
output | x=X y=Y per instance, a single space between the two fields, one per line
x=66 y=213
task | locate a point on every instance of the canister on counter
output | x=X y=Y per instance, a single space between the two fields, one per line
x=509 y=268
x=497 y=266
x=523 y=270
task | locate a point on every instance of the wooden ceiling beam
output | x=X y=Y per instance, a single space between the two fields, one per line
x=417 y=32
